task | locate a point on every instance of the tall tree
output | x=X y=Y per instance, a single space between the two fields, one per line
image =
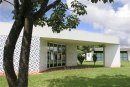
x=33 y=12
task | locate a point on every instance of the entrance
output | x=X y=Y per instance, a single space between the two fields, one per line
x=56 y=55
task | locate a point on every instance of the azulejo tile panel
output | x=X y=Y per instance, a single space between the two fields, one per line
x=34 y=53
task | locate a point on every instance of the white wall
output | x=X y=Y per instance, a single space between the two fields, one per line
x=128 y=55
x=112 y=56
x=71 y=55
x=89 y=56
x=75 y=35
x=43 y=55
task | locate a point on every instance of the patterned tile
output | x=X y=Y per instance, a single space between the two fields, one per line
x=34 y=53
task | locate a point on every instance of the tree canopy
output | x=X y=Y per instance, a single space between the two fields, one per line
x=60 y=17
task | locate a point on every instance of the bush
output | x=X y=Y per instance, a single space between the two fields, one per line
x=80 y=59
x=94 y=58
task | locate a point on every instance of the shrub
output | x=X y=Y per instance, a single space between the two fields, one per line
x=94 y=58
x=80 y=58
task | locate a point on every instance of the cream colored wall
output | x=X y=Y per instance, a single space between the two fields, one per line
x=71 y=55
x=43 y=55
x=112 y=56
x=128 y=55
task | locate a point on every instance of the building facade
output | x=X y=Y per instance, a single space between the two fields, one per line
x=124 y=54
x=50 y=50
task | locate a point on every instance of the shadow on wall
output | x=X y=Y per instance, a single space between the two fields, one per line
x=100 y=81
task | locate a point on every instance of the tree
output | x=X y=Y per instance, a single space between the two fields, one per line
x=94 y=58
x=82 y=50
x=81 y=58
x=33 y=12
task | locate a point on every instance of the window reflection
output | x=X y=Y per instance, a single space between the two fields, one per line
x=99 y=55
x=124 y=55
x=56 y=55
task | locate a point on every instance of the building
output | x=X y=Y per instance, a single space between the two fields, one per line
x=124 y=54
x=50 y=50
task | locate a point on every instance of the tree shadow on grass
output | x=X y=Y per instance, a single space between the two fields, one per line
x=100 y=81
x=73 y=67
x=92 y=66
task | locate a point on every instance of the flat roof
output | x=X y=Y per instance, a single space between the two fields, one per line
x=125 y=49
x=73 y=35
x=121 y=49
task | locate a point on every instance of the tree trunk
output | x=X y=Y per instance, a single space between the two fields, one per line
x=9 y=51
x=25 y=51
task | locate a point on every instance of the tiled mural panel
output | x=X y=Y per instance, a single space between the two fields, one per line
x=34 y=54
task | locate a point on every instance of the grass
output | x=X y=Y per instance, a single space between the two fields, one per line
x=86 y=76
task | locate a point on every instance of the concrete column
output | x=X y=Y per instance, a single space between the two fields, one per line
x=112 y=56
x=71 y=55
x=128 y=55
x=43 y=55
x=104 y=55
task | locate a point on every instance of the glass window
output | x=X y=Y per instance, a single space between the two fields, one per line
x=50 y=47
x=99 y=55
x=56 y=55
x=124 y=55
x=55 y=48
x=63 y=49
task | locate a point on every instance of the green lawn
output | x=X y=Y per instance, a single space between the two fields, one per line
x=85 y=76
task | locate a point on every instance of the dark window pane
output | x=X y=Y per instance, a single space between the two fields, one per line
x=124 y=55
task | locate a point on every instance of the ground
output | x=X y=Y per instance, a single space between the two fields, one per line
x=83 y=76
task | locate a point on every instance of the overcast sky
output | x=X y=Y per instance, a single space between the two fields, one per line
x=113 y=19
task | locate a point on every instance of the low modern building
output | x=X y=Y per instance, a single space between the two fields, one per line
x=50 y=50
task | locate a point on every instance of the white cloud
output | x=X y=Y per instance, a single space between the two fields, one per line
x=112 y=22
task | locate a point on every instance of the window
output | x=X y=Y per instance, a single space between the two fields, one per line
x=124 y=55
x=56 y=55
x=99 y=55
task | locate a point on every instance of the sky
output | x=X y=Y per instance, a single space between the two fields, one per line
x=111 y=19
